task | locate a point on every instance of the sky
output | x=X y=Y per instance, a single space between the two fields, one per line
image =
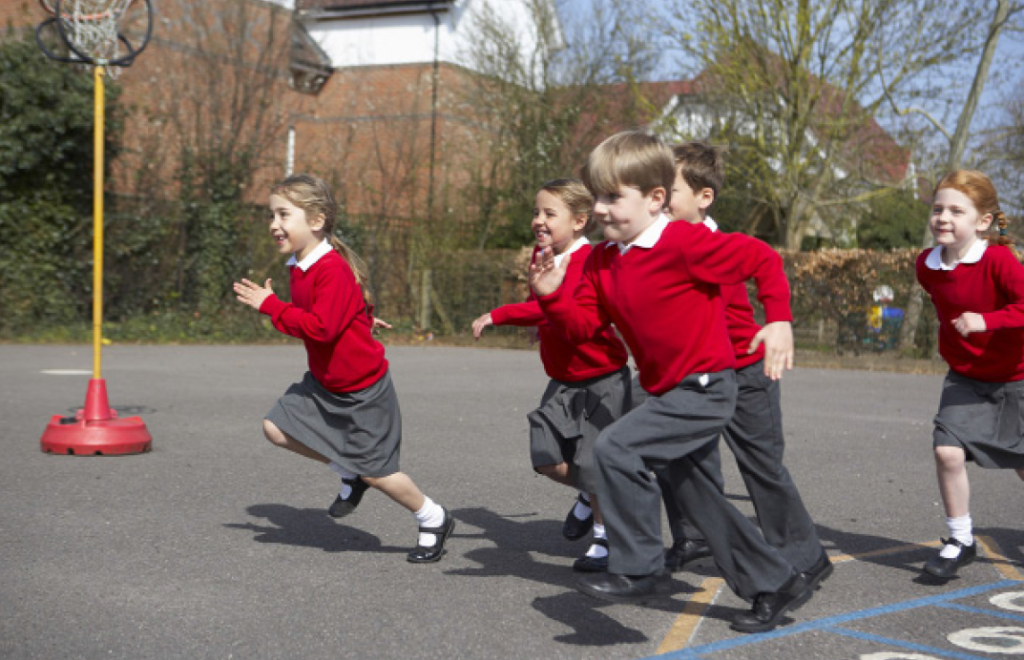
x=1006 y=77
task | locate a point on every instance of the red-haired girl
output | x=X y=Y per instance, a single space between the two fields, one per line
x=977 y=286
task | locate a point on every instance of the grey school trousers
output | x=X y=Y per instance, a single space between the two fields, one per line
x=677 y=433
x=754 y=434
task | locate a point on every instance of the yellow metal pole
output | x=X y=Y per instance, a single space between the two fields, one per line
x=97 y=220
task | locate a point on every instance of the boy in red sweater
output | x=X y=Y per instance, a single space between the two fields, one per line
x=590 y=382
x=754 y=434
x=658 y=282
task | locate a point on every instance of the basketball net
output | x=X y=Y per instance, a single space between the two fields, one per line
x=90 y=28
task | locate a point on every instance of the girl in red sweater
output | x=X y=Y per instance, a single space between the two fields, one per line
x=977 y=287
x=344 y=412
x=590 y=382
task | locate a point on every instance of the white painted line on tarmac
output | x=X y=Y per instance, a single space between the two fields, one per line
x=66 y=372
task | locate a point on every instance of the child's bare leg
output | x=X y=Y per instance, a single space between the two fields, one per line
x=951 y=469
x=282 y=439
x=559 y=473
x=400 y=488
x=430 y=515
x=579 y=520
x=960 y=549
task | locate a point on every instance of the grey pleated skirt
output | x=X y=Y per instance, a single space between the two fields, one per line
x=569 y=419
x=985 y=419
x=361 y=431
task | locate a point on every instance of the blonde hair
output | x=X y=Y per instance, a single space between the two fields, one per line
x=630 y=158
x=979 y=189
x=575 y=196
x=313 y=196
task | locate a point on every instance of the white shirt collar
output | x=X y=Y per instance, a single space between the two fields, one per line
x=580 y=242
x=648 y=238
x=313 y=257
x=973 y=256
x=710 y=224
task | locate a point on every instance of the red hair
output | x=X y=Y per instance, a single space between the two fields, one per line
x=979 y=189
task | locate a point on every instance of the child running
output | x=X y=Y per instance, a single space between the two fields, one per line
x=344 y=413
x=977 y=287
x=754 y=434
x=658 y=282
x=590 y=383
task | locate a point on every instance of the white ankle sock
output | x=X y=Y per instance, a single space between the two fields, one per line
x=962 y=530
x=346 y=490
x=595 y=550
x=581 y=511
x=429 y=515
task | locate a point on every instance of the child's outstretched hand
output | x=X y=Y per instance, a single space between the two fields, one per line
x=252 y=294
x=480 y=324
x=969 y=322
x=778 y=348
x=545 y=277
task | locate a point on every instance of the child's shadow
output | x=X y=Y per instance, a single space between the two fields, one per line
x=516 y=544
x=310 y=528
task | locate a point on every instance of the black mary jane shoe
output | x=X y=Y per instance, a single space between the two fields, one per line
x=587 y=564
x=621 y=588
x=427 y=554
x=818 y=573
x=940 y=567
x=769 y=608
x=683 y=552
x=574 y=529
x=345 y=505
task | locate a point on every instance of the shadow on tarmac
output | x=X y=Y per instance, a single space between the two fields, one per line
x=310 y=528
x=518 y=542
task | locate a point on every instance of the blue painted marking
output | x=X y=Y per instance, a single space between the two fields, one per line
x=825 y=624
x=846 y=632
x=979 y=610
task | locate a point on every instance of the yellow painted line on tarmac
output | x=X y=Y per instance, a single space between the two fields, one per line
x=896 y=549
x=1002 y=564
x=685 y=625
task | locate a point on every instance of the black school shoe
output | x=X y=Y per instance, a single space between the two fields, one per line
x=574 y=529
x=945 y=569
x=769 y=608
x=817 y=574
x=683 y=552
x=587 y=564
x=344 y=506
x=621 y=588
x=427 y=554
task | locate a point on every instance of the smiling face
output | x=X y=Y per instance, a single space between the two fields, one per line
x=554 y=224
x=627 y=212
x=956 y=223
x=292 y=230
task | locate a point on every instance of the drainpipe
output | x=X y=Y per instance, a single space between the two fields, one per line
x=289 y=165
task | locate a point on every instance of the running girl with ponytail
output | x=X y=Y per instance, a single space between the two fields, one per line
x=977 y=286
x=344 y=413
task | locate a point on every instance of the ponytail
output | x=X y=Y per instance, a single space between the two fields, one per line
x=358 y=267
x=313 y=195
x=982 y=193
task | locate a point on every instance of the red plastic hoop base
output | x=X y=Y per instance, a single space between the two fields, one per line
x=95 y=430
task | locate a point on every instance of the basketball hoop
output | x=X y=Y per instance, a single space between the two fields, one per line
x=102 y=34
x=107 y=33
